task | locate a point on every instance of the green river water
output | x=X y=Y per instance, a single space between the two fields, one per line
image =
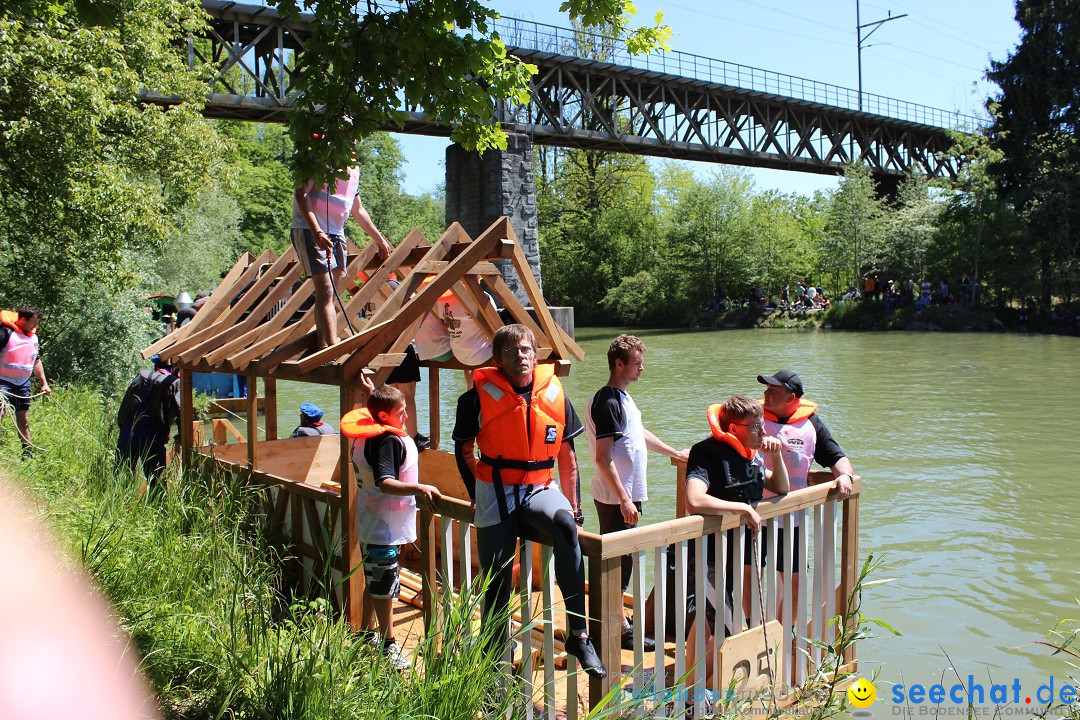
x=968 y=488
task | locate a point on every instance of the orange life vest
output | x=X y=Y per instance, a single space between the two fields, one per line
x=20 y=353
x=360 y=424
x=805 y=410
x=519 y=442
x=713 y=413
x=11 y=319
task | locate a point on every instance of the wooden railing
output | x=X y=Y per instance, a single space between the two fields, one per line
x=779 y=658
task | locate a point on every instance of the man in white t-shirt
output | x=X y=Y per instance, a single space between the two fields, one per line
x=618 y=446
x=318 y=234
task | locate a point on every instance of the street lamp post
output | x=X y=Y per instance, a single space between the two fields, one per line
x=859 y=27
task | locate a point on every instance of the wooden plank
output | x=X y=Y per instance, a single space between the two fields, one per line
x=223 y=429
x=532 y=289
x=229 y=325
x=605 y=618
x=232 y=349
x=351 y=568
x=223 y=336
x=196 y=322
x=227 y=406
x=414 y=309
x=253 y=421
x=429 y=565
x=746 y=654
x=187 y=416
x=518 y=312
x=371 y=287
x=432 y=267
x=849 y=562
x=387 y=360
x=434 y=418
x=270 y=418
x=212 y=313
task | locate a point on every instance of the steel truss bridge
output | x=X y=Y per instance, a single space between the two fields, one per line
x=668 y=104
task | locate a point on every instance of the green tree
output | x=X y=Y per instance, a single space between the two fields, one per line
x=907 y=230
x=598 y=227
x=92 y=181
x=438 y=55
x=852 y=237
x=1037 y=120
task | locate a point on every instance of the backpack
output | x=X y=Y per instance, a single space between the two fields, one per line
x=146 y=400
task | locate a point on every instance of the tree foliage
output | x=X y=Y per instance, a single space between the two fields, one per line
x=440 y=56
x=1037 y=120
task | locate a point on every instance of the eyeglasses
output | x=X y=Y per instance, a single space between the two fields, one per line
x=754 y=427
x=522 y=350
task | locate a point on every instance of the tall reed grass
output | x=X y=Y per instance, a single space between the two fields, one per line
x=197 y=585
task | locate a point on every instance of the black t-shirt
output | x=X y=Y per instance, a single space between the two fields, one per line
x=467 y=424
x=728 y=475
x=827 y=451
x=607 y=413
x=385 y=454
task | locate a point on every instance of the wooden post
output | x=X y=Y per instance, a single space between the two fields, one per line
x=187 y=415
x=429 y=564
x=605 y=619
x=849 y=562
x=353 y=592
x=270 y=408
x=252 y=420
x=433 y=407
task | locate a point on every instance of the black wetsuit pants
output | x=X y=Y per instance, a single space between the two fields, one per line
x=547 y=512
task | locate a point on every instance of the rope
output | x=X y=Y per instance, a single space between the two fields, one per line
x=240 y=417
x=79 y=425
x=7 y=407
x=761 y=609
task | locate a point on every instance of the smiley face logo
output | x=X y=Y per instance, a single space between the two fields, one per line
x=862 y=693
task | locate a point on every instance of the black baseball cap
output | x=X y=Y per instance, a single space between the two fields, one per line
x=785 y=379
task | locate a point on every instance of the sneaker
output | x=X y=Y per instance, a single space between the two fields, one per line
x=423 y=442
x=627 y=639
x=396 y=656
x=368 y=637
x=582 y=648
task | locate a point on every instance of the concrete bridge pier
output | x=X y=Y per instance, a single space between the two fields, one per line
x=482 y=188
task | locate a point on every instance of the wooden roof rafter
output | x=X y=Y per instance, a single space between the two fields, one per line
x=238 y=330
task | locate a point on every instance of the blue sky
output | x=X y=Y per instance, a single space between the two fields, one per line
x=936 y=56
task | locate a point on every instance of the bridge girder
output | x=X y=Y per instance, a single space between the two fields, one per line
x=587 y=104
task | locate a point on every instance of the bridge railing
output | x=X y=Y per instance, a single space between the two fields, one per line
x=529 y=35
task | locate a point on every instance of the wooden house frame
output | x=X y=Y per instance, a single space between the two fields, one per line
x=255 y=323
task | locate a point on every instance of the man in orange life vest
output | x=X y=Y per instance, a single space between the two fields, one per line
x=793 y=420
x=522 y=421
x=19 y=360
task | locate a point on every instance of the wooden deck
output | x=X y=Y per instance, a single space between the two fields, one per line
x=307 y=505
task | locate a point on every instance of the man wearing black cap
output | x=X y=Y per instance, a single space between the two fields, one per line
x=311 y=424
x=793 y=420
x=150 y=407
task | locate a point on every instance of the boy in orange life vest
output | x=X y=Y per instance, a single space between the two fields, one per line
x=19 y=360
x=387 y=488
x=725 y=474
x=521 y=419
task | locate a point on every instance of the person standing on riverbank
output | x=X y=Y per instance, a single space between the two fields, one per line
x=149 y=409
x=619 y=445
x=522 y=421
x=19 y=361
x=318 y=235
x=794 y=421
